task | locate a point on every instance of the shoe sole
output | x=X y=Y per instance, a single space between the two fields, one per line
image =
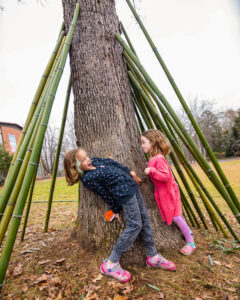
x=174 y=270
x=187 y=254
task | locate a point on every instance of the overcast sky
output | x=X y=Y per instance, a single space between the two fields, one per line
x=199 y=41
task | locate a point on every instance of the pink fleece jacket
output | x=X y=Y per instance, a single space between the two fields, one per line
x=166 y=191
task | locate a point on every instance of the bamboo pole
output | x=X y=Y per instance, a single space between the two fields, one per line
x=36 y=100
x=127 y=38
x=190 y=171
x=188 y=112
x=8 y=187
x=179 y=151
x=188 y=208
x=29 y=201
x=15 y=222
x=14 y=194
x=207 y=169
x=59 y=145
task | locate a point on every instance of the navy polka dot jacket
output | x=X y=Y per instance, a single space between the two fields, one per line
x=111 y=181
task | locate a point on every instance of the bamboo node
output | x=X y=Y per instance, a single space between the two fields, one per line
x=32 y=163
x=17 y=216
x=44 y=124
x=19 y=159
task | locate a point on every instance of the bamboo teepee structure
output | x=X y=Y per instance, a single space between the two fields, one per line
x=152 y=110
x=25 y=163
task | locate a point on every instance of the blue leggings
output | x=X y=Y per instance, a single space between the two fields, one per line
x=137 y=223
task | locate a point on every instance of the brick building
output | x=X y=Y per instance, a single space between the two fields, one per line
x=9 y=137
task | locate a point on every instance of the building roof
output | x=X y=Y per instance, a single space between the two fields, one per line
x=12 y=125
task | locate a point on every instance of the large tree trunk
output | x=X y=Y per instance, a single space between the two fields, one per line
x=105 y=124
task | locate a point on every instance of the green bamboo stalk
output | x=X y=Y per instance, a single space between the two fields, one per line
x=29 y=201
x=179 y=152
x=186 y=166
x=188 y=208
x=185 y=216
x=35 y=156
x=127 y=38
x=36 y=100
x=8 y=187
x=189 y=114
x=139 y=121
x=13 y=197
x=207 y=169
x=141 y=110
x=59 y=145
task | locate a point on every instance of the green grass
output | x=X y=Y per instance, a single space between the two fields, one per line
x=231 y=171
x=61 y=192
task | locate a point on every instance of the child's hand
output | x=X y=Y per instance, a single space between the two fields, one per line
x=135 y=177
x=117 y=217
x=146 y=171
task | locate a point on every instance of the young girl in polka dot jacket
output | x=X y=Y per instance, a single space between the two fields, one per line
x=166 y=191
x=118 y=186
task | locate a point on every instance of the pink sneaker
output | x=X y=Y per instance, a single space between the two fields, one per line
x=158 y=261
x=115 y=271
x=188 y=249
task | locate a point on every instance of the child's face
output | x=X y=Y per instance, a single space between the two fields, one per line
x=85 y=161
x=146 y=144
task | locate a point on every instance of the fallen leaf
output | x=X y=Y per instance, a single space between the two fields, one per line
x=40 y=279
x=100 y=276
x=43 y=262
x=52 y=229
x=119 y=297
x=160 y=296
x=18 y=270
x=24 y=288
x=217 y=262
x=60 y=261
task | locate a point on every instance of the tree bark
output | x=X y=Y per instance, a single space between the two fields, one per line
x=105 y=124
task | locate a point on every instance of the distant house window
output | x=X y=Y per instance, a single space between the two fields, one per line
x=12 y=142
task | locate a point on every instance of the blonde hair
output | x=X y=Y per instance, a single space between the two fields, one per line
x=158 y=141
x=70 y=165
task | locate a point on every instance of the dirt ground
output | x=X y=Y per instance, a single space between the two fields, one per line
x=53 y=266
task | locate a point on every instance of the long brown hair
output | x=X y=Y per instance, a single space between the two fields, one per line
x=158 y=141
x=70 y=169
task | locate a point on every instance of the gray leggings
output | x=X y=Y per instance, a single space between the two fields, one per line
x=137 y=223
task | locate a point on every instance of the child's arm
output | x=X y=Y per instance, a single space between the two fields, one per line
x=161 y=171
x=102 y=192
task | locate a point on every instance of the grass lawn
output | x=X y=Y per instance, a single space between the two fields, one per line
x=52 y=265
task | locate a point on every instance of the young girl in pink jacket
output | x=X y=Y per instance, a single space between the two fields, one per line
x=166 y=191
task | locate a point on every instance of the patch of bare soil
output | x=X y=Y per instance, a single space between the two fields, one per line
x=53 y=266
